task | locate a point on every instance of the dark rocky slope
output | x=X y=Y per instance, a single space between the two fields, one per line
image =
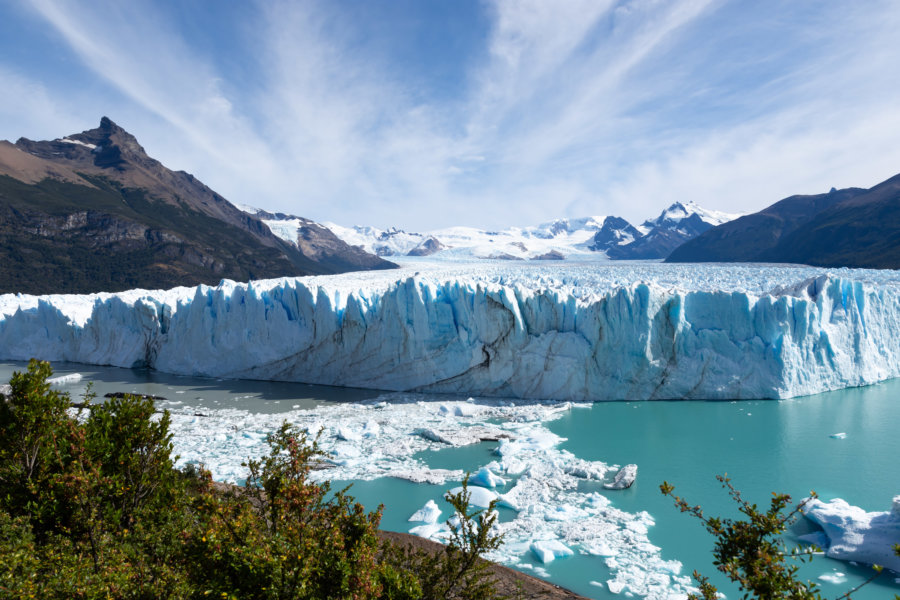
x=92 y=212
x=852 y=227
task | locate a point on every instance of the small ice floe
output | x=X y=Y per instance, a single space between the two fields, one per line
x=565 y=512
x=547 y=551
x=478 y=496
x=427 y=514
x=432 y=531
x=347 y=434
x=486 y=478
x=838 y=436
x=65 y=379
x=371 y=429
x=623 y=479
x=615 y=586
x=460 y=409
x=857 y=535
x=834 y=577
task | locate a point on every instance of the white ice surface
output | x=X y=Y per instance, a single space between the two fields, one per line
x=543 y=480
x=566 y=332
x=549 y=550
x=856 y=535
x=429 y=513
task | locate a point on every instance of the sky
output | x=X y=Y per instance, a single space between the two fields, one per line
x=424 y=114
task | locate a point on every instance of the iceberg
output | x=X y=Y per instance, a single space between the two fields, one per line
x=427 y=514
x=550 y=550
x=856 y=535
x=623 y=479
x=577 y=332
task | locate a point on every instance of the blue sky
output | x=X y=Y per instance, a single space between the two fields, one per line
x=424 y=114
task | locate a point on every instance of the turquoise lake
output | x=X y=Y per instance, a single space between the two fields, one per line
x=764 y=446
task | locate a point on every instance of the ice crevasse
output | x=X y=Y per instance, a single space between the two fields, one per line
x=521 y=336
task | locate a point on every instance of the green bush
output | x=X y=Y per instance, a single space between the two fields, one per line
x=92 y=506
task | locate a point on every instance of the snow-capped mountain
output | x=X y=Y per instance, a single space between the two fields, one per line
x=560 y=238
x=676 y=225
x=587 y=237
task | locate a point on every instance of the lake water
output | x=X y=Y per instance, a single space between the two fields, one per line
x=764 y=446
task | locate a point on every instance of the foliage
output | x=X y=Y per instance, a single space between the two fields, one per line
x=458 y=572
x=751 y=553
x=91 y=506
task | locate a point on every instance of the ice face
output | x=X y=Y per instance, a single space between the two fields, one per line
x=567 y=333
x=544 y=508
x=856 y=535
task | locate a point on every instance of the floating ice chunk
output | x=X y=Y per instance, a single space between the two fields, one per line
x=838 y=436
x=431 y=531
x=426 y=475
x=478 y=496
x=485 y=478
x=434 y=436
x=65 y=379
x=348 y=434
x=371 y=429
x=623 y=479
x=854 y=534
x=564 y=513
x=427 y=514
x=834 y=577
x=460 y=409
x=549 y=550
x=615 y=586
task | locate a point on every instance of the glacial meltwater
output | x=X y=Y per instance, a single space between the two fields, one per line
x=402 y=450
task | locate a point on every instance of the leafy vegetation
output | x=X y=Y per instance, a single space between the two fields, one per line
x=751 y=552
x=91 y=506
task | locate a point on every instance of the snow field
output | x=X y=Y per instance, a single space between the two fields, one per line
x=568 y=332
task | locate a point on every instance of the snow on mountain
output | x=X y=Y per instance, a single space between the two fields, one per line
x=679 y=211
x=565 y=236
x=583 y=238
x=570 y=332
x=659 y=237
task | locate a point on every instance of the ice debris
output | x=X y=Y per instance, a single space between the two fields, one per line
x=542 y=481
x=856 y=535
x=65 y=379
x=624 y=478
x=838 y=436
x=573 y=332
x=427 y=514
x=549 y=550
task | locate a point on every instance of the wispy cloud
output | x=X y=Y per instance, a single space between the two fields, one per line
x=573 y=108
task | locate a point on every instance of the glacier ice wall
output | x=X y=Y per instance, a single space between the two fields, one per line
x=524 y=336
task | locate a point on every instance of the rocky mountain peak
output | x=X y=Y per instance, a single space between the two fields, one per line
x=107 y=146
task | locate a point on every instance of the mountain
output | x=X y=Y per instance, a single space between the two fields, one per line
x=319 y=243
x=852 y=227
x=584 y=238
x=677 y=224
x=556 y=239
x=92 y=212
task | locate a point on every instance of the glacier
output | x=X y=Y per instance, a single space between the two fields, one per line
x=564 y=332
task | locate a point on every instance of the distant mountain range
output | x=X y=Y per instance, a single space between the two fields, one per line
x=588 y=237
x=92 y=212
x=851 y=227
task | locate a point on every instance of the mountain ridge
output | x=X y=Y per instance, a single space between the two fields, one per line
x=590 y=237
x=851 y=227
x=93 y=212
